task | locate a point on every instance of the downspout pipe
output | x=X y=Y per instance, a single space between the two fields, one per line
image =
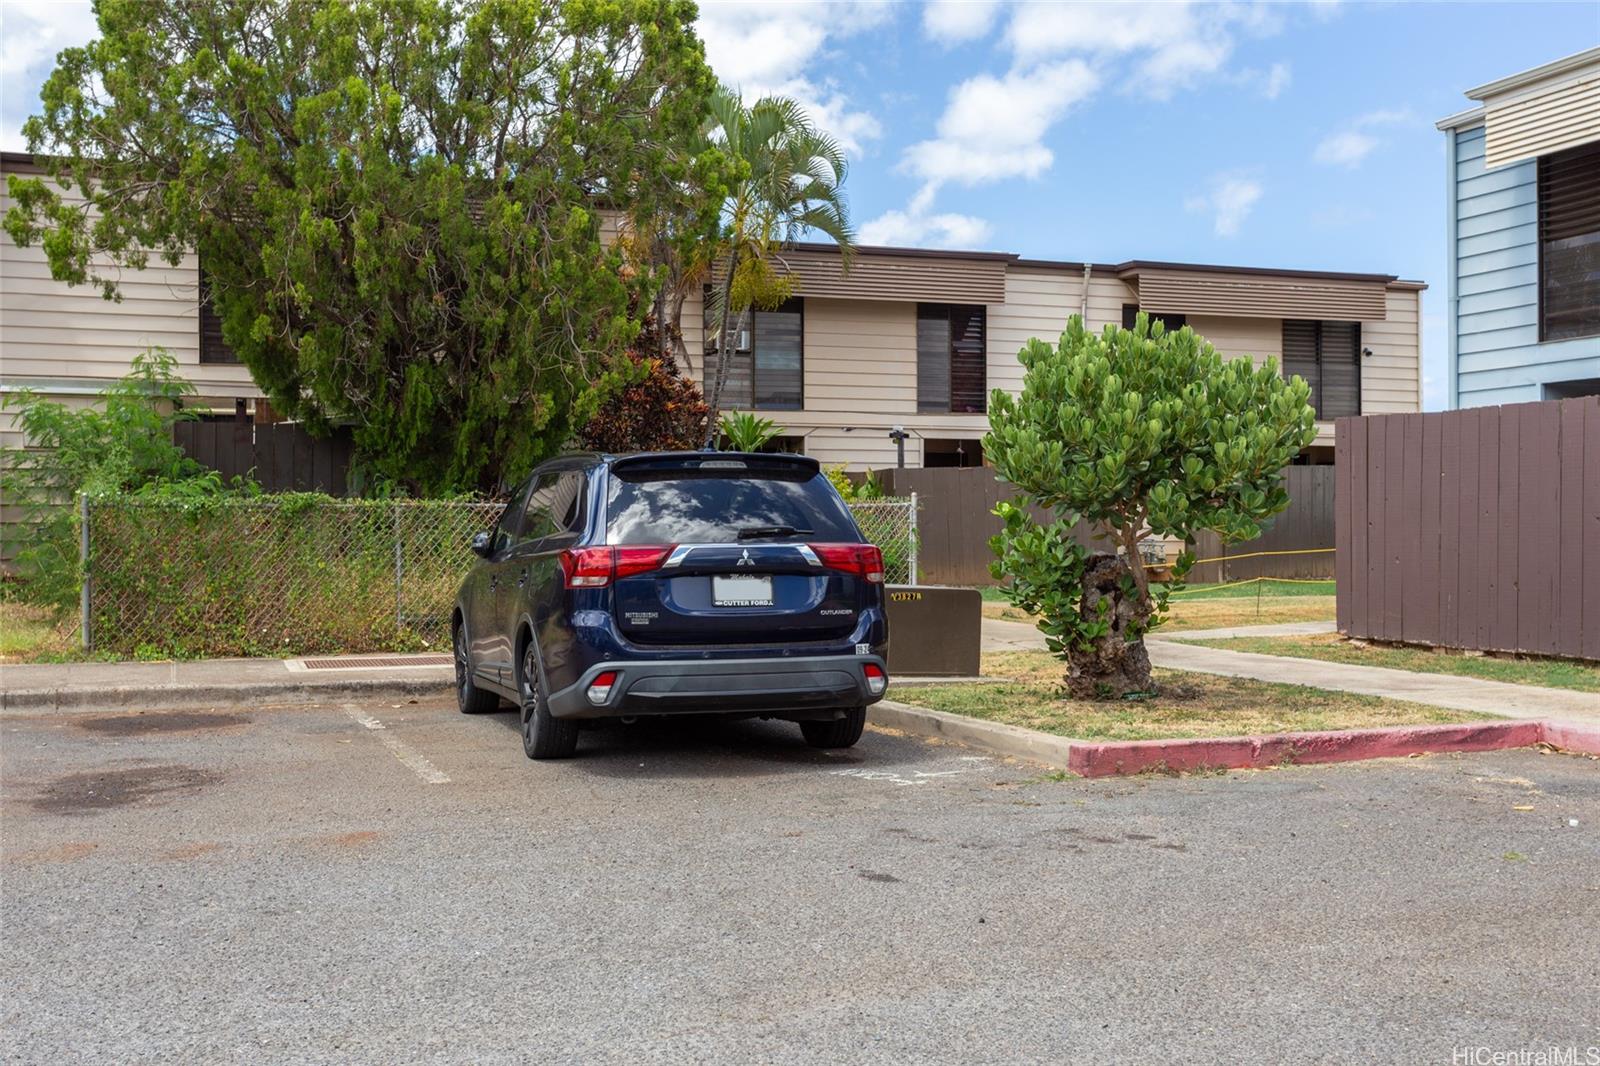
x=1083 y=305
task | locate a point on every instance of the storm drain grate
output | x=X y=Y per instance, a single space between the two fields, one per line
x=356 y=662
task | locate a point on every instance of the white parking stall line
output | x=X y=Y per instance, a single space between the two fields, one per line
x=412 y=759
x=913 y=777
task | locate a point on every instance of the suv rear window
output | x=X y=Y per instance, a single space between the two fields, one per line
x=711 y=504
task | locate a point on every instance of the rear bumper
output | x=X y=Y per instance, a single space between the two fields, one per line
x=727 y=686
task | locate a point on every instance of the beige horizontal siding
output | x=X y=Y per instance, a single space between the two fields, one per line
x=55 y=336
x=1391 y=377
x=1260 y=296
x=861 y=356
x=1256 y=337
x=1543 y=121
x=1038 y=303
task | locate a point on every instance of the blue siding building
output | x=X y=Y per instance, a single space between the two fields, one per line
x=1524 y=234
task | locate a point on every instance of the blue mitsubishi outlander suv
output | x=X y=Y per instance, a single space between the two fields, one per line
x=673 y=583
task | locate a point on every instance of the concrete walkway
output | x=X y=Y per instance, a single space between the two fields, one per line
x=1438 y=690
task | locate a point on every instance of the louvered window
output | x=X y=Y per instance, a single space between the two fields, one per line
x=213 y=349
x=1328 y=356
x=767 y=370
x=1569 y=243
x=952 y=359
x=1173 y=323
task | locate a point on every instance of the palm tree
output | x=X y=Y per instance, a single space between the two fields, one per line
x=788 y=180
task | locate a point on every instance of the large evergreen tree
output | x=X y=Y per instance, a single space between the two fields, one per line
x=396 y=202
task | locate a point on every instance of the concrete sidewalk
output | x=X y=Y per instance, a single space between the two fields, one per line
x=1438 y=690
x=96 y=686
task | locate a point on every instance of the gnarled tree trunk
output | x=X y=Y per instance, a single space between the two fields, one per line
x=1112 y=666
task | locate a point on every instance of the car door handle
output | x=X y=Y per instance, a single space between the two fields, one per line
x=522 y=577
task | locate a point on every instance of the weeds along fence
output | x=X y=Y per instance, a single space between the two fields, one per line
x=307 y=574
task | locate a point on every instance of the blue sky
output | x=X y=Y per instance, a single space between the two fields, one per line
x=1286 y=135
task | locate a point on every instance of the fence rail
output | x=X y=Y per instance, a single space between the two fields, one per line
x=296 y=575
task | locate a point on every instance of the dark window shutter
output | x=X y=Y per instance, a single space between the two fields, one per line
x=1341 y=370
x=213 y=349
x=969 y=392
x=933 y=358
x=1300 y=357
x=1172 y=322
x=1569 y=243
x=778 y=357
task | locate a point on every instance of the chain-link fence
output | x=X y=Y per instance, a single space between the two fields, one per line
x=295 y=575
x=891 y=524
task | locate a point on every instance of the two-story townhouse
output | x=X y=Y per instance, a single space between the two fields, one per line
x=1523 y=228
x=907 y=338
x=915 y=339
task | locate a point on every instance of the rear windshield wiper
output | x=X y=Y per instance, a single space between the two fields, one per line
x=756 y=532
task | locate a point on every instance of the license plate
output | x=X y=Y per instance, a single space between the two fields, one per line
x=740 y=591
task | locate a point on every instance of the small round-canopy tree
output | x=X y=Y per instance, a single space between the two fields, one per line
x=396 y=205
x=1138 y=432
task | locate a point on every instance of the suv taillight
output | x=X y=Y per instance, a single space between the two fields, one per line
x=598 y=567
x=863 y=560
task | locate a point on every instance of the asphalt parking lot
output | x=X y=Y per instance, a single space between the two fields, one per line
x=378 y=883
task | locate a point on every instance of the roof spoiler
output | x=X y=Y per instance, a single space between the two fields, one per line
x=714 y=460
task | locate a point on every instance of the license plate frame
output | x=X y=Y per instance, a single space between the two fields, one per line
x=741 y=590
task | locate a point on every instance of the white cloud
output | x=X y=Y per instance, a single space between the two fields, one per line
x=1345 y=149
x=1173 y=45
x=955 y=21
x=32 y=32
x=1277 y=80
x=922 y=230
x=994 y=128
x=766 y=48
x=1229 y=201
x=1349 y=147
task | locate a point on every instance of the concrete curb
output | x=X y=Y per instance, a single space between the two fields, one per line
x=1120 y=758
x=299 y=690
x=991 y=736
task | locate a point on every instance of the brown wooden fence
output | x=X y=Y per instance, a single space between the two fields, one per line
x=954 y=524
x=1473 y=529
x=281 y=456
x=1296 y=544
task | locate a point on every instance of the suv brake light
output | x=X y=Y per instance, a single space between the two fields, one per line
x=863 y=560
x=598 y=567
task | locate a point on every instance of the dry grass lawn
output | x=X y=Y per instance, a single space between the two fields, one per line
x=1333 y=648
x=1187 y=705
x=28 y=633
x=1216 y=612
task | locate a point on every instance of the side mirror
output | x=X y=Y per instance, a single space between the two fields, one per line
x=481 y=544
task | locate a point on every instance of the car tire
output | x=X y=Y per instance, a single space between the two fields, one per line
x=469 y=697
x=839 y=733
x=543 y=737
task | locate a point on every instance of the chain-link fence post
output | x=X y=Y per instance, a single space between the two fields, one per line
x=911 y=521
x=399 y=569
x=83 y=567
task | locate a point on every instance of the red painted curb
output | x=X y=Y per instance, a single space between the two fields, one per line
x=1571 y=736
x=1342 y=745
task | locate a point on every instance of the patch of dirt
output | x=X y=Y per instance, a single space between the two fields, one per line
x=360 y=838
x=189 y=851
x=108 y=789
x=144 y=722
